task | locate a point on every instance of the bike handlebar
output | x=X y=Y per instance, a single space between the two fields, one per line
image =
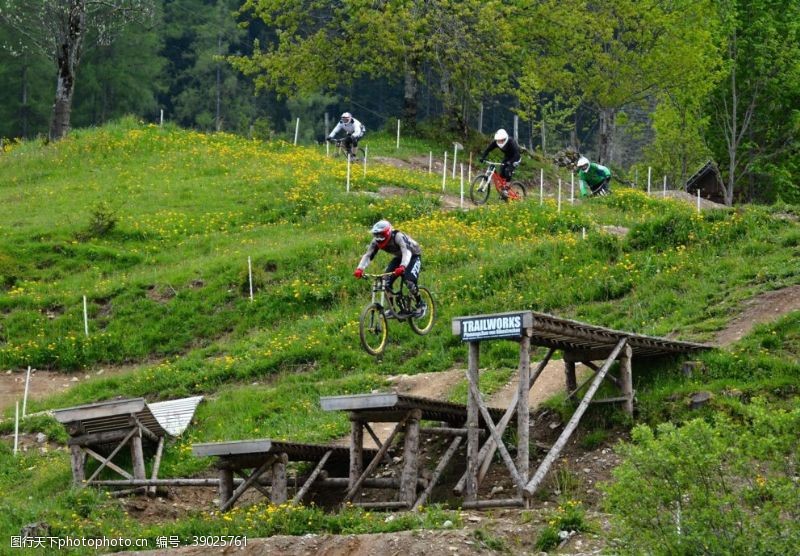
x=383 y=275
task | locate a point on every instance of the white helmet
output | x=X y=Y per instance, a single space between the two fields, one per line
x=500 y=137
x=583 y=163
x=347 y=117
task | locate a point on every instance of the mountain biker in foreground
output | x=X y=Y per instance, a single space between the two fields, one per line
x=595 y=179
x=354 y=130
x=406 y=261
x=511 y=154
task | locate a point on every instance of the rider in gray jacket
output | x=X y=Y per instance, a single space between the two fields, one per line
x=406 y=262
x=354 y=130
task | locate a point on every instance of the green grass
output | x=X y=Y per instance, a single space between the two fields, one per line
x=168 y=294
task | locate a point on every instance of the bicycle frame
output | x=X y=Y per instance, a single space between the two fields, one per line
x=500 y=183
x=381 y=293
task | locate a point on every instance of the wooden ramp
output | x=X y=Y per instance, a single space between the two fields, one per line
x=579 y=342
x=101 y=430
x=406 y=412
x=265 y=456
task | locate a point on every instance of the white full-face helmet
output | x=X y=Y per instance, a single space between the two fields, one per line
x=347 y=117
x=500 y=137
x=583 y=163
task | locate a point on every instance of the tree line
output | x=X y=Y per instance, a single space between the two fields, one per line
x=684 y=81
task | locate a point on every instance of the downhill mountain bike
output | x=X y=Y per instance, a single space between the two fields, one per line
x=481 y=186
x=386 y=304
x=339 y=150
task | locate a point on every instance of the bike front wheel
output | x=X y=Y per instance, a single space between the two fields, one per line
x=373 y=329
x=422 y=323
x=479 y=189
x=516 y=191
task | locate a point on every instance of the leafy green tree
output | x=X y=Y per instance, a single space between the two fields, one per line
x=59 y=30
x=756 y=105
x=24 y=96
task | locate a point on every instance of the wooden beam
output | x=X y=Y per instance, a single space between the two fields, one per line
x=382 y=505
x=494 y=503
x=377 y=442
x=489 y=447
x=256 y=484
x=107 y=461
x=157 y=464
x=440 y=467
x=78 y=470
x=408 y=477
x=626 y=378
x=523 y=411
x=356 y=449
x=554 y=452
x=298 y=497
x=225 y=484
x=497 y=439
x=570 y=376
x=473 y=440
x=98 y=438
x=227 y=504
x=280 y=491
x=375 y=461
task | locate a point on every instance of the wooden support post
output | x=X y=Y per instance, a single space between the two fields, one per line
x=523 y=411
x=156 y=464
x=137 y=455
x=554 y=452
x=356 y=449
x=408 y=478
x=78 y=470
x=626 y=378
x=494 y=503
x=256 y=484
x=487 y=418
x=279 y=487
x=353 y=490
x=225 y=485
x=377 y=442
x=298 y=498
x=107 y=461
x=569 y=374
x=226 y=505
x=473 y=439
x=440 y=467
x=488 y=449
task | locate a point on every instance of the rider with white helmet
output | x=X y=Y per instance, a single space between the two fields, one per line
x=593 y=178
x=406 y=262
x=512 y=155
x=354 y=131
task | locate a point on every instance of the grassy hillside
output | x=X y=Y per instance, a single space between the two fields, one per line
x=155 y=226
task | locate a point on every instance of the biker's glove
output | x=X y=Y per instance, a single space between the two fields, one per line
x=399 y=270
x=358 y=273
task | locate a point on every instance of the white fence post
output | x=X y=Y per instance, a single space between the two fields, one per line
x=250 y=276
x=348 y=173
x=398 y=133
x=456 y=146
x=430 y=162
x=16 y=428
x=85 y=317
x=462 y=185
x=25 y=395
x=366 y=151
x=665 y=187
x=541 y=186
x=559 y=194
x=649 y=173
x=444 y=170
x=698 y=200
x=296 y=130
x=572 y=188
x=469 y=169
x=161 y=119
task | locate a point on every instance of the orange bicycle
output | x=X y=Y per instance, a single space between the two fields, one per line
x=508 y=191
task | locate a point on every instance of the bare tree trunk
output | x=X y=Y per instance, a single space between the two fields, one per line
x=410 y=95
x=606 y=139
x=68 y=54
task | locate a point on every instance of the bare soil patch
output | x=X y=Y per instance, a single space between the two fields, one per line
x=766 y=307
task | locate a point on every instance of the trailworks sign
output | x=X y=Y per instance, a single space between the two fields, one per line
x=490 y=327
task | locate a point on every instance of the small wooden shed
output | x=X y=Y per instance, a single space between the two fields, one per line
x=708 y=180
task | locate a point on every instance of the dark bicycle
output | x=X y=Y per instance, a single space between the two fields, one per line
x=373 y=325
x=356 y=154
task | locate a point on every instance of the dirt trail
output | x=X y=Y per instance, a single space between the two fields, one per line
x=767 y=307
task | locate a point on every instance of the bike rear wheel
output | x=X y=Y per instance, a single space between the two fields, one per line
x=423 y=323
x=479 y=189
x=516 y=191
x=373 y=329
